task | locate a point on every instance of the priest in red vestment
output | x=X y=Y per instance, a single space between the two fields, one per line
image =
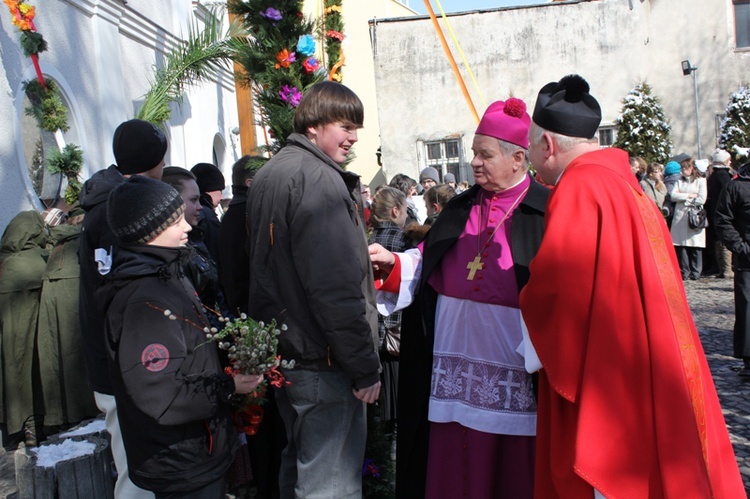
x=627 y=407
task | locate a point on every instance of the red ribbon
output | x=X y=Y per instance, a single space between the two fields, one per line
x=40 y=77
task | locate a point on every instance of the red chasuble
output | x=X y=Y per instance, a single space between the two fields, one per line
x=626 y=400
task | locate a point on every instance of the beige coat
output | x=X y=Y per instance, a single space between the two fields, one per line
x=682 y=234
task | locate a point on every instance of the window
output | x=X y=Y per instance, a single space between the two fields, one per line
x=39 y=144
x=607 y=136
x=742 y=23
x=445 y=157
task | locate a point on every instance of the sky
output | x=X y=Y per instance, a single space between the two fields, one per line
x=464 y=5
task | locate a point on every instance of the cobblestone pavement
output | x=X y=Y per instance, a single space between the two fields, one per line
x=712 y=303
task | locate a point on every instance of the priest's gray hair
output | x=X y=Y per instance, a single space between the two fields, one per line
x=564 y=142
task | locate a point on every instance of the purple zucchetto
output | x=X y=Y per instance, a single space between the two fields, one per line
x=507 y=121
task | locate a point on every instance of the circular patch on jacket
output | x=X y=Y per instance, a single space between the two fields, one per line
x=155 y=357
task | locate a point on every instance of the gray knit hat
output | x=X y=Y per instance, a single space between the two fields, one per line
x=141 y=208
x=720 y=156
x=430 y=173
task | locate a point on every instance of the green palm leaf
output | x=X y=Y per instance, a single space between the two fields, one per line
x=205 y=51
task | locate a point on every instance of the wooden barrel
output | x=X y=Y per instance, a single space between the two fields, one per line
x=80 y=477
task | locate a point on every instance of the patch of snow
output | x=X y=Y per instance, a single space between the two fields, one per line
x=47 y=456
x=95 y=426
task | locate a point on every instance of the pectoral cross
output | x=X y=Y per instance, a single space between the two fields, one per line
x=473 y=266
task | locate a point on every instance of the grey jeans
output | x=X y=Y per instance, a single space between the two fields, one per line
x=326 y=431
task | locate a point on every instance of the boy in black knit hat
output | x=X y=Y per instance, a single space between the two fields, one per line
x=211 y=184
x=172 y=396
x=139 y=148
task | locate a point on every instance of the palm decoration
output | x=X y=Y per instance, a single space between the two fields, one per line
x=205 y=51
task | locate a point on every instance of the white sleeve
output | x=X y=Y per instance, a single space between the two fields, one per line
x=411 y=271
x=527 y=350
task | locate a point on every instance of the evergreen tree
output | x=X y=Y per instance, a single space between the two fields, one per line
x=735 y=127
x=281 y=57
x=642 y=129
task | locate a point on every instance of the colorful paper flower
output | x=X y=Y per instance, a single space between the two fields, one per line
x=22 y=24
x=271 y=14
x=306 y=45
x=290 y=95
x=27 y=10
x=369 y=468
x=311 y=64
x=23 y=14
x=285 y=59
x=335 y=34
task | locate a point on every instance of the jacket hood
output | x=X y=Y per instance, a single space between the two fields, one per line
x=25 y=231
x=141 y=260
x=138 y=260
x=96 y=189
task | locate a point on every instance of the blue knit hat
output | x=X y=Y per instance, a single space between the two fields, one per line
x=671 y=168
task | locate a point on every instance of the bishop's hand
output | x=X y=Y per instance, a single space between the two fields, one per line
x=382 y=260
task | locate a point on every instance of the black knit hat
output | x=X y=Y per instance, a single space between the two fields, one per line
x=138 y=146
x=566 y=107
x=209 y=177
x=141 y=208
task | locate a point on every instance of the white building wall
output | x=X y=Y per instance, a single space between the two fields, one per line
x=103 y=51
x=518 y=50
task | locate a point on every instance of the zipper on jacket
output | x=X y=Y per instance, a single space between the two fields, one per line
x=270 y=230
x=210 y=438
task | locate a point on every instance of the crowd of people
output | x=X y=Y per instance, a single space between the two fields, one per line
x=679 y=186
x=525 y=336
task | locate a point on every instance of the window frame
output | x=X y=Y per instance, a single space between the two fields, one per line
x=609 y=129
x=445 y=163
x=745 y=38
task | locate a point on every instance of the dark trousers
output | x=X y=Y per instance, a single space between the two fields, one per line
x=691 y=261
x=742 y=315
x=213 y=490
